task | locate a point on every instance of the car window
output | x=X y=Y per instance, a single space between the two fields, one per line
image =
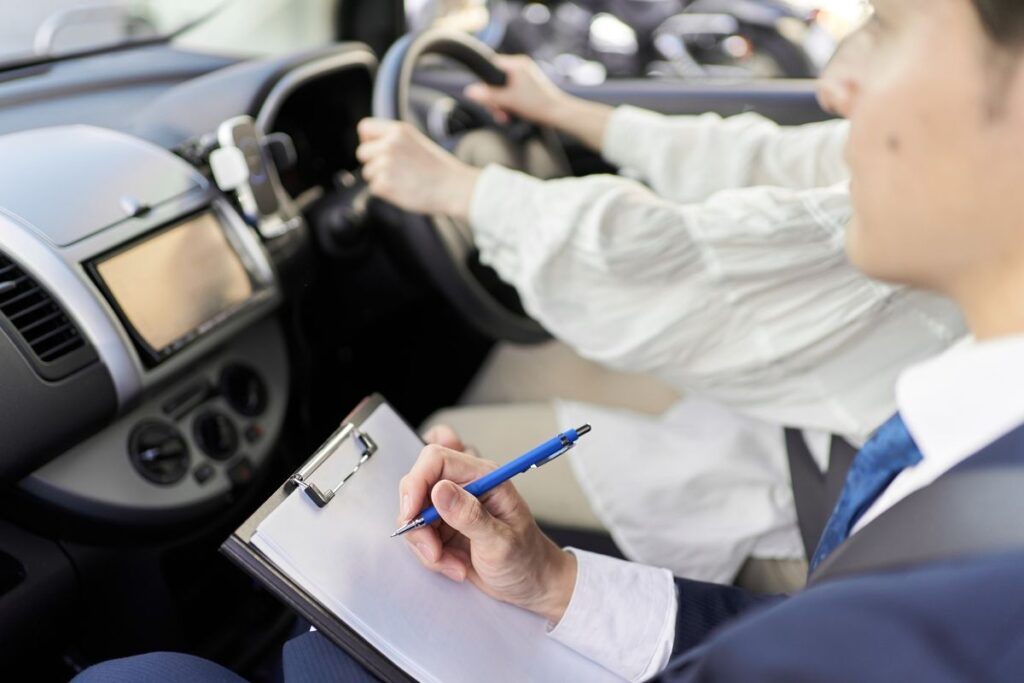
x=49 y=28
x=591 y=41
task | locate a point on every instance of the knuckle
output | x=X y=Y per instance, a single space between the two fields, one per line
x=473 y=513
x=432 y=452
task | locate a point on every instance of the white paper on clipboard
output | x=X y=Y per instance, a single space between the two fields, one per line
x=432 y=628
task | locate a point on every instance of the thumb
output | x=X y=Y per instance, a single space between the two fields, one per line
x=463 y=512
x=480 y=93
x=485 y=96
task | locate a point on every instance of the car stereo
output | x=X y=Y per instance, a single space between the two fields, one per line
x=175 y=284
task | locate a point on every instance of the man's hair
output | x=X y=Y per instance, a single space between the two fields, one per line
x=1003 y=21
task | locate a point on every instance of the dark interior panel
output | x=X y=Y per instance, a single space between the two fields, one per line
x=787 y=102
x=42 y=418
x=38 y=594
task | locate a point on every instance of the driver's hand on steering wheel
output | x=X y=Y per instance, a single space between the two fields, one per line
x=402 y=166
x=528 y=93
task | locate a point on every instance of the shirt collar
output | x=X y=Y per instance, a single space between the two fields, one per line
x=958 y=403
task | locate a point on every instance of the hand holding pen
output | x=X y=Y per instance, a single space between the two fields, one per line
x=493 y=541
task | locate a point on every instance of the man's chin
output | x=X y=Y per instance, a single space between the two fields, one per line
x=870 y=259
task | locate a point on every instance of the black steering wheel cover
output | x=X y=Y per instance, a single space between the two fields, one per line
x=436 y=241
x=390 y=94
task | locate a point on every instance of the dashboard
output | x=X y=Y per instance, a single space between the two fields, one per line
x=145 y=374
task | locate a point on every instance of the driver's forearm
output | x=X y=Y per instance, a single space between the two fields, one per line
x=581 y=119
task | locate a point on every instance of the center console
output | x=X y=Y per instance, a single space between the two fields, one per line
x=120 y=256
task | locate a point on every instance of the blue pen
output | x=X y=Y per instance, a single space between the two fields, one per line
x=541 y=455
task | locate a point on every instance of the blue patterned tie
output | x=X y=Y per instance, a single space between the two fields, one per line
x=885 y=455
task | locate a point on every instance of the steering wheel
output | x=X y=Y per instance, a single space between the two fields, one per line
x=444 y=246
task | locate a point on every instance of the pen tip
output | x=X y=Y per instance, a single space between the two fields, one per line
x=580 y=431
x=408 y=526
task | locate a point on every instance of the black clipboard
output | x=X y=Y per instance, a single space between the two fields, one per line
x=239 y=549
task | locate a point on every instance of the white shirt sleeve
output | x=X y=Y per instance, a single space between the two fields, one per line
x=746 y=297
x=688 y=158
x=622 y=615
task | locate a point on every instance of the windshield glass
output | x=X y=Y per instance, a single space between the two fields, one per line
x=51 y=28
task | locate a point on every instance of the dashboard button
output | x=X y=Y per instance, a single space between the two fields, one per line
x=253 y=433
x=203 y=473
x=244 y=390
x=216 y=435
x=241 y=472
x=158 y=452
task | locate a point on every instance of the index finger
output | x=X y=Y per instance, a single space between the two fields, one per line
x=371 y=128
x=434 y=464
x=446 y=436
x=509 y=62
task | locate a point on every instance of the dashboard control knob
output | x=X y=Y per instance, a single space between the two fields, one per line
x=203 y=473
x=216 y=435
x=158 y=452
x=244 y=390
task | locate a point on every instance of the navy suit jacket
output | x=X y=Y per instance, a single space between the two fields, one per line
x=959 y=620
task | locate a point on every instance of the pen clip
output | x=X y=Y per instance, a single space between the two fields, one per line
x=566 y=447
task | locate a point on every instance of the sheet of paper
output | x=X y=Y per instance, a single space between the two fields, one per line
x=433 y=628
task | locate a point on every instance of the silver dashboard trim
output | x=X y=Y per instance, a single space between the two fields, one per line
x=357 y=56
x=62 y=280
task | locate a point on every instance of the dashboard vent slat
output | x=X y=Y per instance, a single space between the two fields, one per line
x=41 y=321
x=28 y=311
x=35 y=315
x=66 y=346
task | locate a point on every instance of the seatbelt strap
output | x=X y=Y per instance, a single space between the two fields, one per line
x=815 y=493
x=974 y=512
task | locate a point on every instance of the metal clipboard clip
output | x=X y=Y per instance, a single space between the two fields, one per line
x=301 y=478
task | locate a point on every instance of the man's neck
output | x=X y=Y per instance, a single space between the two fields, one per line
x=993 y=303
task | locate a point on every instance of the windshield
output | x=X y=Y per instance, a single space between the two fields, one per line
x=50 y=28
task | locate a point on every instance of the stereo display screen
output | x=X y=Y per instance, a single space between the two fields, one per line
x=171 y=286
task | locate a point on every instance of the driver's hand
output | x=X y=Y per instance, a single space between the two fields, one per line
x=401 y=165
x=493 y=542
x=528 y=94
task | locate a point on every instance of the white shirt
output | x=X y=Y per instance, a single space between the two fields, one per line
x=737 y=297
x=698 y=490
x=745 y=297
x=954 y=406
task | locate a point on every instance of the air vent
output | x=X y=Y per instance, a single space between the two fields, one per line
x=34 y=314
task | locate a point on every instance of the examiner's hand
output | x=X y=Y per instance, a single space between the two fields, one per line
x=405 y=168
x=493 y=542
x=529 y=93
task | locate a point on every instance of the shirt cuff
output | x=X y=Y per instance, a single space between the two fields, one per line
x=622 y=615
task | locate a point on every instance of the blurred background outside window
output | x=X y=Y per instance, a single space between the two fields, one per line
x=590 y=41
x=580 y=41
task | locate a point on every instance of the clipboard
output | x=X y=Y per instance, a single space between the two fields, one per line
x=239 y=548
x=368 y=594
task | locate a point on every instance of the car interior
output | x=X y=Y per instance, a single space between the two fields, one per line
x=174 y=343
